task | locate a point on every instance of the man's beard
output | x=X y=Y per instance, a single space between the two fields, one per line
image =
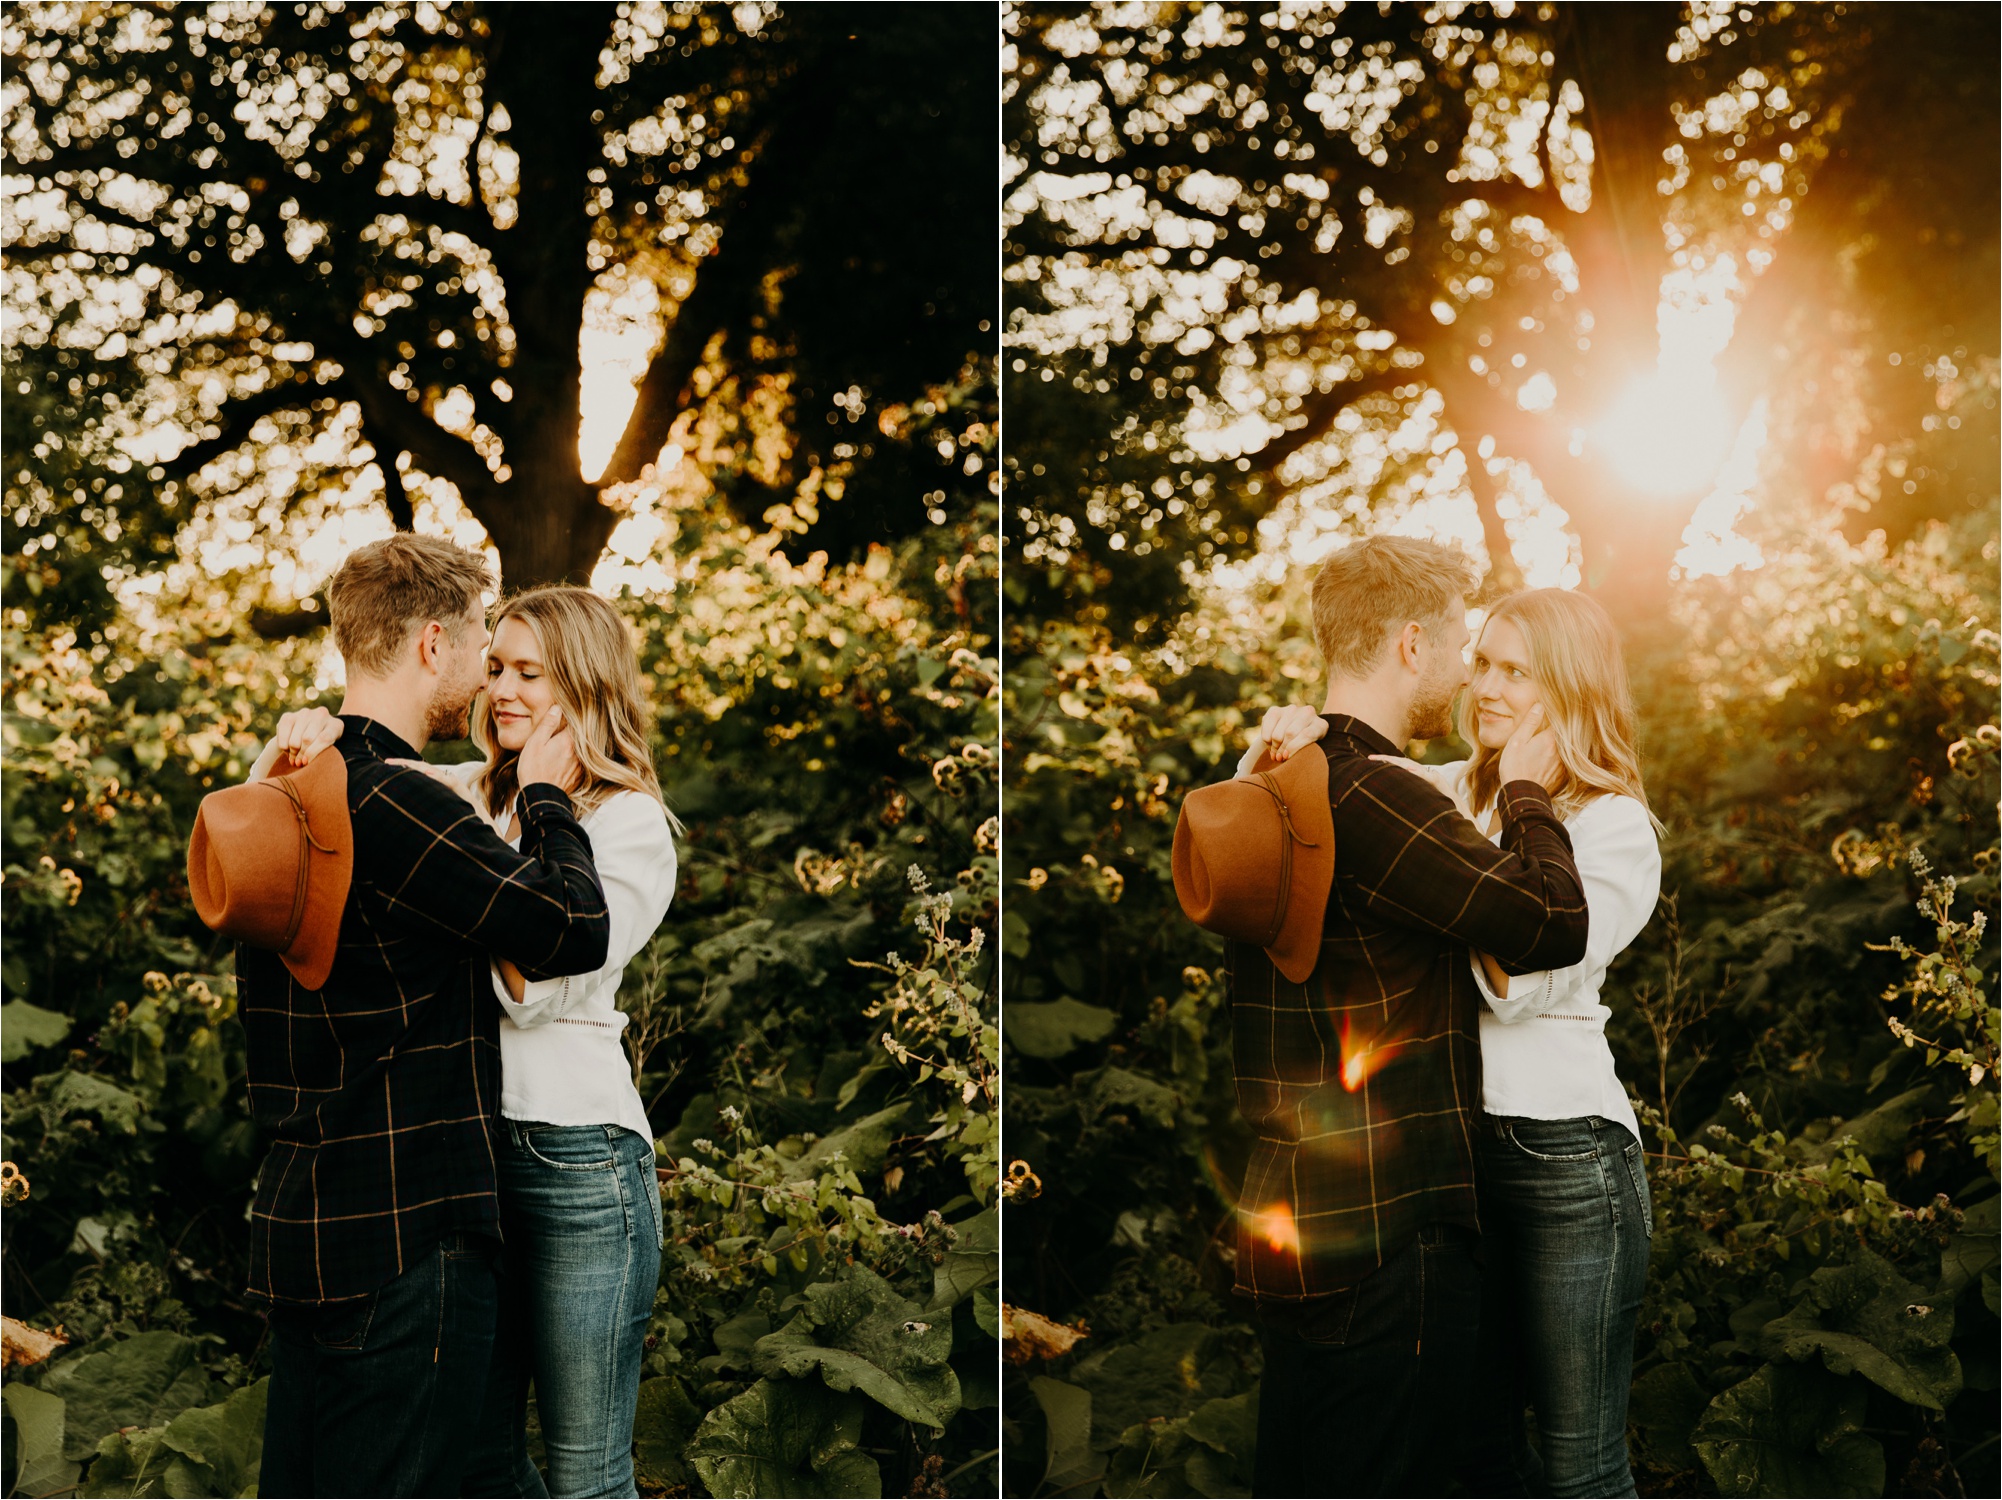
x=1432 y=710
x=450 y=715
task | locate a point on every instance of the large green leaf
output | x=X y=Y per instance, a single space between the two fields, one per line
x=1069 y=1461
x=1665 y=1405
x=38 y=1439
x=1972 y=1252
x=1865 y=1319
x=662 y=1425
x=861 y=1336
x=217 y=1448
x=1167 y=1373
x=1209 y=1452
x=129 y=1466
x=863 y=1145
x=142 y=1381
x=1123 y=1091
x=973 y=1262
x=24 y=1027
x=1059 y=1027
x=1791 y=1430
x=785 y=1437
x=1879 y=1134
x=86 y=1093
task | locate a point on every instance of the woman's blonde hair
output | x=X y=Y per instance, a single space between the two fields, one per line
x=593 y=669
x=1575 y=661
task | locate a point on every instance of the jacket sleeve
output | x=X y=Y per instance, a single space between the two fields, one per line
x=1619 y=863
x=635 y=857
x=442 y=869
x=1404 y=847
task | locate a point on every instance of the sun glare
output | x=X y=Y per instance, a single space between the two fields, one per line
x=1669 y=434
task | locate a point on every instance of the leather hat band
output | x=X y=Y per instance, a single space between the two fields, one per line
x=1264 y=780
x=307 y=844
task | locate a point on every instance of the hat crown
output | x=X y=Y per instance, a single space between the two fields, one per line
x=270 y=864
x=1254 y=859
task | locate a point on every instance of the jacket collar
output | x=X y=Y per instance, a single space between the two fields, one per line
x=383 y=744
x=1353 y=728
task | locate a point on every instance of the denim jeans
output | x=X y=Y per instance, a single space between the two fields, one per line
x=1566 y=1223
x=380 y=1395
x=1363 y=1389
x=580 y=1206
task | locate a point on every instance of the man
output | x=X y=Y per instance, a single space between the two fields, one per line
x=1358 y=1227
x=375 y=1228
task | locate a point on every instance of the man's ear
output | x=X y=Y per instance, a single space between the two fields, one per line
x=1411 y=645
x=428 y=643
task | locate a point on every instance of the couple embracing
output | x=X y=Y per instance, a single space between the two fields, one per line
x=1445 y=1219
x=460 y=1196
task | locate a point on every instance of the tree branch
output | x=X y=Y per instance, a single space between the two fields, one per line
x=234 y=422
x=393 y=422
x=1318 y=412
x=729 y=276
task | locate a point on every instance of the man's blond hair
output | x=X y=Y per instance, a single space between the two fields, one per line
x=390 y=588
x=1373 y=588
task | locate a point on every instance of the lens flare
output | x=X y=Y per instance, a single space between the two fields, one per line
x=1670 y=433
x=1362 y=1059
x=1278 y=1229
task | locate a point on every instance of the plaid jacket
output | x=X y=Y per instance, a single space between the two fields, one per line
x=379 y=1089
x=1363 y=1083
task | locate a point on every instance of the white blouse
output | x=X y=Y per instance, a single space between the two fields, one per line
x=1543 y=1044
x=561 y=1058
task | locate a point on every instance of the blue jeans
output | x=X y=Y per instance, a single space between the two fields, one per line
x=1566 y=1221
x=1364 y=1388
x=580 y=1206
x=380 y=1395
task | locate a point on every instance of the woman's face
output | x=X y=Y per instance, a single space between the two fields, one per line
x=1502 y=687
x=517 y=686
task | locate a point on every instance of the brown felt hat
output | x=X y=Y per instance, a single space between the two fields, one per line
x=270 y=862
x=1255 y=859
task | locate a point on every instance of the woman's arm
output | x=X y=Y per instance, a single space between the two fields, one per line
x=636 y=864
x=1619 y=863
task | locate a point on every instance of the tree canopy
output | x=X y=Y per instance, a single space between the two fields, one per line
x=380 y=240
x=1549 y=258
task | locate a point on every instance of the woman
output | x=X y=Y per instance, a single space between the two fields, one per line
x=1565 y=1215
x=580 y=1206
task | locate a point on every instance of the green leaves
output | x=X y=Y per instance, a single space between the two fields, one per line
x=141 y=1381
x=1069 y=1461
x=38 y=1434
x=217 y=1448
x=662 y=1425
x=1865 y=1319
x=1209 y=1452
x=1059 y=1027
x=859 y=1335
x=1791 y=1430
x=785 y=1437
x=24 y=1027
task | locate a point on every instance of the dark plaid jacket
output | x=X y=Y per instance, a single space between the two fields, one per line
x=379 y=1089
x=1363 y=1084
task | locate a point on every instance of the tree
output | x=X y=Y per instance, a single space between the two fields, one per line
x=389 y=227
x=1243 y=232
